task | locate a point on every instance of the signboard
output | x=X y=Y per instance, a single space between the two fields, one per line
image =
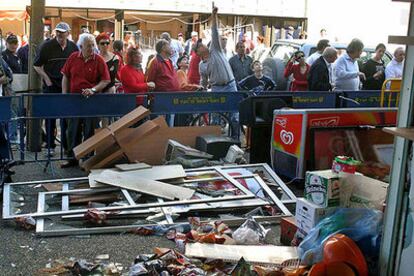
x=195 y=102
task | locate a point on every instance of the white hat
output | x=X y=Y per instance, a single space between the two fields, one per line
x=194 y=34
x=62 y=27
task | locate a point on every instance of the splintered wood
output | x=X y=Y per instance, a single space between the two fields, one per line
x=144 y=185
x=144 y=143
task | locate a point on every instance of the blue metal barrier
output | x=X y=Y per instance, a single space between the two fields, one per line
x=363 y=98
x=309 y=99
x=65 y=106
x=195 y=102
x=53 y=106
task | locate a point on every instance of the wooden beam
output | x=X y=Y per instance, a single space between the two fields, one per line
x=397 y=39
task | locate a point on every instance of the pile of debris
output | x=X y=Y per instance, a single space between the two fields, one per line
x=133 y=138
x=131 y=196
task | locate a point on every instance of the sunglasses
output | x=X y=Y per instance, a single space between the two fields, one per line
x=104 y=43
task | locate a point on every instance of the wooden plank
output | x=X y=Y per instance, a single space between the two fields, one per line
x=263 y=254
x=129 y=119
x=151 y=149
x=126 y=140
x=405 y=132
x=397 y=39
x=146 y=186
x=116 y=151
x=93 y=174
x=97 y=159
x=154 y=173
x=132 y=167
x=106 y=198
x=102 y=136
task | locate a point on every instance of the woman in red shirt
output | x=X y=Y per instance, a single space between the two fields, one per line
x=299 y=71
x=132 y=77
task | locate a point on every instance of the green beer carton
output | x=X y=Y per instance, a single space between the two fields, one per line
x=323 y=188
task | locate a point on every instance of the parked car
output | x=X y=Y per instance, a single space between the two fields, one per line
x=274 y=59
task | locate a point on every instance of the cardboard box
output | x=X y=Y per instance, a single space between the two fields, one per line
x=288 y=228
x=323 y=188
x=309 y=214
x=359 y=191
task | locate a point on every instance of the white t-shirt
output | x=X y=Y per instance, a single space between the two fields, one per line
x=312 y=58
x=394 y=69
x=177 y=49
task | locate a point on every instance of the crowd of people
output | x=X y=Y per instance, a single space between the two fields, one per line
x=97 y=63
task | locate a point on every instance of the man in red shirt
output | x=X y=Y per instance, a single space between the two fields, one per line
x=161 y=69
x=83 y=73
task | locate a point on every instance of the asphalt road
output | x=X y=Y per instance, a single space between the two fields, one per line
x=22 y=253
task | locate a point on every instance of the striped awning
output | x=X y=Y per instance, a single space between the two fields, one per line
x=13 y=15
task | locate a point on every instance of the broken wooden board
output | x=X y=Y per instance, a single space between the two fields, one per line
x=103 y=198
x=266 y=254
x=132 y=167
x=115 y=152
x=111 y=154
x=143 y=185
x=106 y=134
x=151 y=149
x=93 y=174
x=154 y=173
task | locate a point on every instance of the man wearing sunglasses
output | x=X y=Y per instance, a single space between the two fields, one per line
x=49 y=62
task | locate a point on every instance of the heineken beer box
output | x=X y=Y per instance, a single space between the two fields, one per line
x=322 y=188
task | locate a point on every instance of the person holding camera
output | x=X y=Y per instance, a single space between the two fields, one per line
x=299 y=69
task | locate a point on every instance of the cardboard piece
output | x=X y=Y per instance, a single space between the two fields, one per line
x=107 y=134
x=154 y=173
x=144 y=185
x=116 y=151
x=151 y=149
x=288 y=228
x=363 y=192
x=266 y=254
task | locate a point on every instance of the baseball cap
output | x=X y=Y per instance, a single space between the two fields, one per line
x=194 y=34
x=62 y=27
x=12 y=39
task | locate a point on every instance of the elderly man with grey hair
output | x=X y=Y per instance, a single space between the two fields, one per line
x=346 y=69
x=85 y=73
x=176 y=48
x=320 y=77
x=394 y=69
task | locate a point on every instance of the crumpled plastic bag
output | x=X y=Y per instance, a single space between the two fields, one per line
x=250 y=233
x=361 y=225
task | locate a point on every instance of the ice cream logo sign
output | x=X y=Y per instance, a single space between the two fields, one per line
x=325 y=122
x=281 y=121
x=287 y=137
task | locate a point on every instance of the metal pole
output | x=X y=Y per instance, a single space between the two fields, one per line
x=396 y=211
x=36 y=38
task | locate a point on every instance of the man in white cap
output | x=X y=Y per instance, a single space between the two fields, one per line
x=49 y=62
x=190 y=42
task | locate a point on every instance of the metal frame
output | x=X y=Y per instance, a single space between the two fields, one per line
x=396 y=211
x=248 y=200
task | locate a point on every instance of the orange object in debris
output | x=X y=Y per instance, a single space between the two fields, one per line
x=332 y=269
x=341 y=256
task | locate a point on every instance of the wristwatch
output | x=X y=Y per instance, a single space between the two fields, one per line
x=93 y=90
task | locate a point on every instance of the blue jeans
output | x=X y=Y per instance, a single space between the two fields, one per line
x=234 y=117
